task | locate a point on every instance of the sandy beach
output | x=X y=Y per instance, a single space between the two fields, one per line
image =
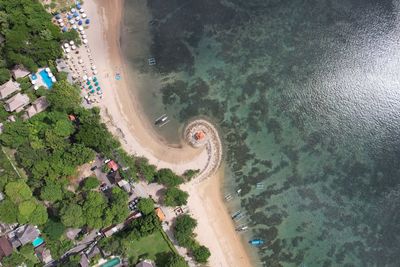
x=124 y=116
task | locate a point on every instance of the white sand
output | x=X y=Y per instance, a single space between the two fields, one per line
x=125 y=119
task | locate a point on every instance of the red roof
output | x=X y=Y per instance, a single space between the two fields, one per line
x=112 y=165
x=5 y=247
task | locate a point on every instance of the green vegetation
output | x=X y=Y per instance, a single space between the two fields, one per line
x=168 y=178
x=90 y=183
x=189 y=174
x=183 y=232
x=146 y=206
x=146 y=170
x=142 y=238
x=32 y=40
x=174 y=260
x=175 y=197
x=201 y=254
x=25 y=255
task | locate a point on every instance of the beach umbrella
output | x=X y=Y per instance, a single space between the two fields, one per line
x=88 y=82
x=78 y=18
x=58 y=16
x=84 y=36
x=74 y=27
x=59 y=20
x=65 y=29
x=90 y=86
x=78 y=6
x=80 y=22
x=69 y=17
x=96 y=84
x=53 y=79
x=82 y=32
x=95 y=72
x=94 y=79
x=85 y=41
x=80 y=28
x=84 y=77
x=68 y=56
x=90 y=78
x=92 y=91
x=72 y=21
x=61 y=24
x=75 y=14
x=93 y=67
x=80 y=61
x=36 y=87
x=66 y=45
x=81 y=10
x=71 y=42
x=87 y=21
x=84 y=15
x=73 y=10
x=98 y=88
x=67 y=50
x=73 y=47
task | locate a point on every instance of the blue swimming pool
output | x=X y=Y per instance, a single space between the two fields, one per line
x=37 y=242
x=46 y=78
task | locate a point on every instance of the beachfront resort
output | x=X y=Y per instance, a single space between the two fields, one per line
x=70 y=195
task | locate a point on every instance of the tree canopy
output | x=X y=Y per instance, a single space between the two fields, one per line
x=168 y=178
x=31 y=38
x=201 y=254
x=146 y=206
x=175 y=197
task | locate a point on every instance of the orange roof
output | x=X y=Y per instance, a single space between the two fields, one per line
x=199 y=135
x=160 y=214
x=112 y=165
x=71 y=117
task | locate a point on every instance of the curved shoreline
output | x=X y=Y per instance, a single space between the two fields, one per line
x=124 y=117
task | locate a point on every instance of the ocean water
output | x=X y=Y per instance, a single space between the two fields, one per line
x=307 y=97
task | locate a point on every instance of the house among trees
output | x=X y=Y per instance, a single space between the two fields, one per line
x=36 y=107
x=84 y=262
x=16 y=103
x=43 y=253
x=6 y=248
x=145 y=263
x=23 y=235
x=8 y=88
x=19 y=72
x=112 y=165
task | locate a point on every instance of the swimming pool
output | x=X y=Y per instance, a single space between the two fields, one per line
x=37 y=242
x=112 y=262
x=46 y=78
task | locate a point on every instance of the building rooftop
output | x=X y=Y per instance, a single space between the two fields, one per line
x=145 y=263
x=112 y=165
x=19 y=72
x=6 y=248
x=23 y=235
x=16 y=102
x=8 y=88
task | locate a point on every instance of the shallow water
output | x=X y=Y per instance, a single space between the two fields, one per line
x=307 y=97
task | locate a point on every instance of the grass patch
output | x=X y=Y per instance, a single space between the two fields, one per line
x=10 y=158
x=152 y=247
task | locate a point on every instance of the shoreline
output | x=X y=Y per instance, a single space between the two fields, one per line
x=124 y=117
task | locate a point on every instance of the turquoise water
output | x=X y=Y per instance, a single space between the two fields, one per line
x=37 y=242
x=111 y=263
x=307 y=97
x=46 y=79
